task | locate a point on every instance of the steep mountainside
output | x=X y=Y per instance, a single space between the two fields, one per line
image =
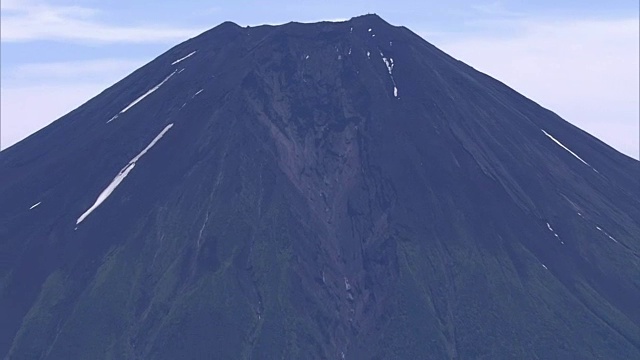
x=316 y=191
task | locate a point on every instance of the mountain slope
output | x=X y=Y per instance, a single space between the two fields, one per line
x=316 y=191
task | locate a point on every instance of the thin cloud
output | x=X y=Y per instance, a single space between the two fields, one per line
x=23 y=21
x=496 y=8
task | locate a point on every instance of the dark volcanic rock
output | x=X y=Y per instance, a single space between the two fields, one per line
x=316 y=191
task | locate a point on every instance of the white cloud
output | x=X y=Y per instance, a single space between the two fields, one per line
x=586 y=71
x=28 y=21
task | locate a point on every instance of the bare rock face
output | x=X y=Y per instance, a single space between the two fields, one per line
x=316 y=191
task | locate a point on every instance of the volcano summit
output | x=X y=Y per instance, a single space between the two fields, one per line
x=316 y=191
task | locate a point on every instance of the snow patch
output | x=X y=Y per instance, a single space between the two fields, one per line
x=35 y=205
x=368 y=55
x=183 y=58
x=347 y=286
x=566 y=148
x=369 y=30
x=121 y=176
x=142 y=97
x=306 y=57
x=545 y=266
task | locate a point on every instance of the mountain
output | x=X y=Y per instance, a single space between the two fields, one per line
x=316 y=191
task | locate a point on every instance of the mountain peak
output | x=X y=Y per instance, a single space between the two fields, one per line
x=371 y=18
x=316 y=191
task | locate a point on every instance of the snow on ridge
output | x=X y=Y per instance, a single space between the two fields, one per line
x=35 y=205
x=183 y=58
x=117 y=180
x=566 y=148
x=141 y=97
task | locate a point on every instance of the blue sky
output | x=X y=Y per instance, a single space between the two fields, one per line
x=577 y=58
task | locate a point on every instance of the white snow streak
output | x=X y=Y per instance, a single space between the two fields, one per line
x=554 y=233
x=389 y=64
x=609 y=236
x=142 y=97
x=201 y=90
x=183 y=58
x=121 y=176
x=545 y=266
x=35 y=205
x=566 y=148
